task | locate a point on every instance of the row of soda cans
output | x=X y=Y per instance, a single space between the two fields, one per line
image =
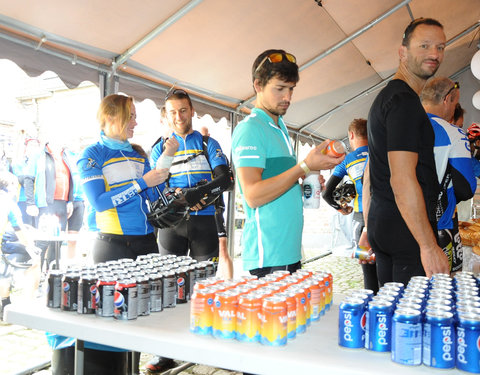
x=270 y=310
x=126 y=289
x=432 y=321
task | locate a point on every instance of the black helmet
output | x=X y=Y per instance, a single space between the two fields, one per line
x=344 y=193
x=168 y=210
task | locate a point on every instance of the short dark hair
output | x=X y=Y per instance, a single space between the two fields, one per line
x=359 y=127
x=177 y=94
x=407 y=34
x=458 y=113
x=285 y=70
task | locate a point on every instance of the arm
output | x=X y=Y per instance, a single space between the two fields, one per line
x=409 y=199
x=258 y=192
x=366 y=198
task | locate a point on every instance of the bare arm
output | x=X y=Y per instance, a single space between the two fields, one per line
x=366 y=197
x=411 y=204
x=258 y=192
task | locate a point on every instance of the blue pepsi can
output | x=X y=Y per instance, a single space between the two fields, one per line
x=468 y=342
x=407 y=337
x=351 y=323
x=439 y=339
x=378 y=330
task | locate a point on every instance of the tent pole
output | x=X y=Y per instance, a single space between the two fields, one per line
x=231 y=199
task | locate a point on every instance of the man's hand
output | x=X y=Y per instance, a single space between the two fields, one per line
x=171 y=146
x=155 y=177
x=32 y=210
x=434 y=260
x=316 y=160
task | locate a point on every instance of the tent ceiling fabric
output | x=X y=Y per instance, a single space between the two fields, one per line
x=208 y=48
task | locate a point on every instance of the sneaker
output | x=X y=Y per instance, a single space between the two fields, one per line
x=159 y=364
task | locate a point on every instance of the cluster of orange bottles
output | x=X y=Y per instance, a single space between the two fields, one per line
x=270 y=310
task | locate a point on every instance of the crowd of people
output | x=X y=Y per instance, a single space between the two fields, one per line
x=410 y=164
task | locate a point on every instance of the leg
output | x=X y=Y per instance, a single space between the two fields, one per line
x=74 y=224
x=173 y=240
x=202 y=237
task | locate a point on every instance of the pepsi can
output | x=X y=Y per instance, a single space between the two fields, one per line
x=468 y=342
x=105 y=295
x=87 y=290
x=125 y=300
x=351 y=323
x=439 y=339
x=54 y=294
x=183 y=287
x=143 y=288
x=378 y=329
x=407 y=337
x=70 y=291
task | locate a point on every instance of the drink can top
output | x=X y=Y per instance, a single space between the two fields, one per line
x=407 y=311
x=380 y=303
x=439 y=314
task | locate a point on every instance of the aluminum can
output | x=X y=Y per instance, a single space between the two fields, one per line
x=291 y=313
x=87 y=291
x=225 y=314
x=69 y=291
x=468 y=338
x=125 y=300
x=281 y=274
x=54 y=292
x=301 y=306
x=378 y=326
x=351 y=323
x=105 y=295
x=191 y=279
x=394 y=284
x=209 y=268
x=183 y=287
x=201 y=311
x=248 y=317
x=274 y=321
x=200 y=271
x=169 y=289
x=156 y=291
x=439 y=339
x=407 y=337
x=143 y=299
x=317 y=301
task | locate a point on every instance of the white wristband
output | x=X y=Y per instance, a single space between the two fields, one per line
x=164 y=161
x=137 y=186
x=304 y=166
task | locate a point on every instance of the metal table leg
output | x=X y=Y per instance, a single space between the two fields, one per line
x=79 y=356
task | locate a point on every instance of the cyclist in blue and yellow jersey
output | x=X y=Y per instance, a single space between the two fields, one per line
x=116 y=177
x=353 y=167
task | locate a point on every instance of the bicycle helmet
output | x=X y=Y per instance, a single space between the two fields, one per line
x=344 y=193
x=167 y=211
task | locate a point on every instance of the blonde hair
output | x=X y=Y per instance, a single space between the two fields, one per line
x=115 y=109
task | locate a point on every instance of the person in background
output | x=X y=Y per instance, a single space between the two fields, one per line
x=268 y=172
x=225 y=263
x=453 y=162
x=353 y=167
x=16 y=244
x=458 y=115
x=402 y=176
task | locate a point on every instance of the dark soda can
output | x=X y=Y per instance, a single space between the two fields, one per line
x=54 y=293
x=143 y=286
x=191 y=279
x=105 y=295
x=183 y=287
x=169 y=289
x=70 y=291
x=351 y=323
x=156 y=291
x=209 y=268
x=87 y=292
x=200 y=271
x=407 y=337
x=439 y=339
x=125 y=300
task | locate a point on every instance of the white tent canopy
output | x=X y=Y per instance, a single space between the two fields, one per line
x=346 y=49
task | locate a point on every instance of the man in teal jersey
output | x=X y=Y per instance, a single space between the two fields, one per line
x=268 y=172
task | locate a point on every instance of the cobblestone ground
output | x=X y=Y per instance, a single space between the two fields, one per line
x=22 y=348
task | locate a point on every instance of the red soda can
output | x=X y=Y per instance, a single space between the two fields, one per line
x=248 y=317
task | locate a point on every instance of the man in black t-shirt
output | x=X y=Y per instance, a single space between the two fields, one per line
x=403 y=180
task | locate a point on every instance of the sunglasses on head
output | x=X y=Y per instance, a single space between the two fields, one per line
x=456 y=85
x=175 y=92
x=277 y=57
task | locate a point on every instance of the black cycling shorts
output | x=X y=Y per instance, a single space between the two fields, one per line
x=75 y=221
x=115 y=246
x=195 y=236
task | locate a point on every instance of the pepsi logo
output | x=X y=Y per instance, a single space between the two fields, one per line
x=93 y=289
x=97 y=296
x=363 y=321
x=118 y=300
x=66 y=287
x=478 y=343
x=180 y=281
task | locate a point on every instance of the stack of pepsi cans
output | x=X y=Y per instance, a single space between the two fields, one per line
x=432 y=321
x=126 y=288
